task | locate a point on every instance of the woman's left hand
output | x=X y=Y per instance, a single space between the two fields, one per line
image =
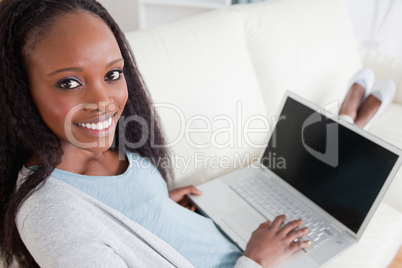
x=179 y=196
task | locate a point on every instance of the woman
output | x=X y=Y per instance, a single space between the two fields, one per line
x=71 y=193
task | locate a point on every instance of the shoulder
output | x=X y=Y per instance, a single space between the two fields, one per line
x=63 y=227
x=57 y=227
x=49 y=201
x=56 y=202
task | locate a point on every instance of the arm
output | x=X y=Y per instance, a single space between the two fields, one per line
x=63 y=236
x=269 y=244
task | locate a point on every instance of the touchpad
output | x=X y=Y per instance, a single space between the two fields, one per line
x=298 y=259
x=243 y=223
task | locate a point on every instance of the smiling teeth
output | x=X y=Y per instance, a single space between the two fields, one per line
x=97 y=126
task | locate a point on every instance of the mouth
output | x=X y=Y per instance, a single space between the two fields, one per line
x=101 y=126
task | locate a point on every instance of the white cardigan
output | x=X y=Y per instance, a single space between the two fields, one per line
x=64 y=227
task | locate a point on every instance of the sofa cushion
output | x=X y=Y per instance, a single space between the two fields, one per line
x=379 y=243
x=388 y=127
x=218 y=76
x=308 y=47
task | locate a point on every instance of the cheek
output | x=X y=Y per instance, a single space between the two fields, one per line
x=53 y=110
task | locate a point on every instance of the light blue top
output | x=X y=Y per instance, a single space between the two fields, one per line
x=141 y=194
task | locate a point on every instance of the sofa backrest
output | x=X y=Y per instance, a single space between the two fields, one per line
x=217 y=79
x=306 y=46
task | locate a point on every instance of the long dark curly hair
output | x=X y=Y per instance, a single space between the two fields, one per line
x=24 y=23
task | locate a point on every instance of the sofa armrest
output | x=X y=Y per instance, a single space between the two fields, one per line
x=384 y=66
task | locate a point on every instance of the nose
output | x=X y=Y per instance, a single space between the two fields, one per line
x=98 y=98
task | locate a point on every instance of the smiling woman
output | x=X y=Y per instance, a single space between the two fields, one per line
x=76 y=119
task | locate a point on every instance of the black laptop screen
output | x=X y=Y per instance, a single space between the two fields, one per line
x=339 y=170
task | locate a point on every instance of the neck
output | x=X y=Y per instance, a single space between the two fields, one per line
x=85 y=162
x=92 y=163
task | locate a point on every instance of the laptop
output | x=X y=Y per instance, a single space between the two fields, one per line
x=315 y=167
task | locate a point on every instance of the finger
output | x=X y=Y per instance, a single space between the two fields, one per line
x=190 y=207
x=179 y=193
x=264 y=224
x=278 y=221
x=296 y=234
x=299 y=245
x=189 y=190
x=174 y=194
x=195 y=191
x=185 y=202
x=291 y=226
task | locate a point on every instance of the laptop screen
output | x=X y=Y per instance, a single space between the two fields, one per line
x=336 y=168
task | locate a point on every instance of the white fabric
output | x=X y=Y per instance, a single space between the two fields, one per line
x=379 y=243
x=306 y=46
x=201 y=77
x=347 y=118
x=230 y=67
x=388 y=126
x=243 y=261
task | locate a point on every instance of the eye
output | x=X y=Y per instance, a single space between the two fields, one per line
x=113 y=75
x=69 y=84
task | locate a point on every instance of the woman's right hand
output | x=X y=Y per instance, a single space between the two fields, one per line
x=270 y=243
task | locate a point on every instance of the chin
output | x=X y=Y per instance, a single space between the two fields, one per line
x=98 y=144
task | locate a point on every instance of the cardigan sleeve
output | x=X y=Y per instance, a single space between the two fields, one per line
x=63 y=236
x=244 y=262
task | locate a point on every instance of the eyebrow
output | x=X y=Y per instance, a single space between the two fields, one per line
x=79 y=69
x=76 y=69
x=114 y=62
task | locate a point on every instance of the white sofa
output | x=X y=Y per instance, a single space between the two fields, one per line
x=217 y=79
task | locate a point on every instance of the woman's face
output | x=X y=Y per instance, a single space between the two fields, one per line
x=77 y=83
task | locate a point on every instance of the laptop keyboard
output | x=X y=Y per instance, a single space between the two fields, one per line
x=269 y=199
